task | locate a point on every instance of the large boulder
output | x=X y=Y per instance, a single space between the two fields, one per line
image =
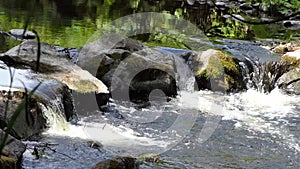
x=54 y=65
x=130 y=69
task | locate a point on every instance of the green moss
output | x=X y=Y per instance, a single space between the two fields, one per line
x=217 y=65
x=291 y=61
x=222 y=68
x=214 y=69
x=227 y=62
x=84 y=86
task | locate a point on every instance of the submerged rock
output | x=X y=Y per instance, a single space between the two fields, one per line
x=118 y=163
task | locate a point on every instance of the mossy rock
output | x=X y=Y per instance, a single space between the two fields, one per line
x=291 y=59
x=217 y=70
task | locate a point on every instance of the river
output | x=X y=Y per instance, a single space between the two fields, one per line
x=250 y=130
x=198 y=129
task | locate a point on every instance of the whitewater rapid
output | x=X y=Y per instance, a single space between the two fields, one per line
x=250 y=110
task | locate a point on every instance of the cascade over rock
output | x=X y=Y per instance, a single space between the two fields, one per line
x=49 y=95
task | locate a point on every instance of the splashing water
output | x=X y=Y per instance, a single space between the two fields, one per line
x=254 y=111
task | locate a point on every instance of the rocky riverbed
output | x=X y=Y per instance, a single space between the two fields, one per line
x=228 y=66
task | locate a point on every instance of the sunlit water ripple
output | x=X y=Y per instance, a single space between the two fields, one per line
x=256 y=130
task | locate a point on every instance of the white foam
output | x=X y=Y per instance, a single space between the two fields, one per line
x=105 y=133
x=251 y=110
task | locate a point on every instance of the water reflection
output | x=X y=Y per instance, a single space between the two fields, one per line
x=71 y=22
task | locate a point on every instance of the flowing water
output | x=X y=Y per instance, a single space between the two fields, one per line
x=249 y=129
x=197 y=129
x=255 y=130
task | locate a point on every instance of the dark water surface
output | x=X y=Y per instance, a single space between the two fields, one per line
x=71 y=23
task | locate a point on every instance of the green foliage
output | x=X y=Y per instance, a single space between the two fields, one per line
x=85 y=17
x=228 y=28
x=265 y=31
x=282 y=6
x=166 y=41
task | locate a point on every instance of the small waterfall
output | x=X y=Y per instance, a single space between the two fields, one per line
x=185 y=78
x=260 y=67
x=262 y=76
x=55 y=120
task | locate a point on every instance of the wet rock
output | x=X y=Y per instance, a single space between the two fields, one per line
x=152 y=158
x=248 y=50
x=216 y=70
x=118 y=163
x=51 y=97
x=11 y=156
x=95 y=144
x=290 y=80
x=220 y=4
x=191 y=2
x=28 y=122
x=127 y=65
x=19 y=34
x=53 y=65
